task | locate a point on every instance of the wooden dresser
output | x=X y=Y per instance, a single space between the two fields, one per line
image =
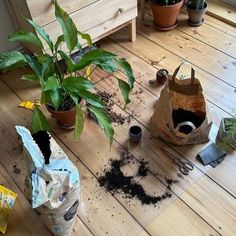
x=99 y=18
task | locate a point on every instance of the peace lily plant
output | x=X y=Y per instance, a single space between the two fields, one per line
x=70 y=84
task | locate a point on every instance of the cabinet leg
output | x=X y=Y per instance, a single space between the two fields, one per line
x=142 y=10
x=132 y=30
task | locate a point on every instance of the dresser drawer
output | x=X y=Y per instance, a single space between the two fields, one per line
x=43 y=11
x=108 y=14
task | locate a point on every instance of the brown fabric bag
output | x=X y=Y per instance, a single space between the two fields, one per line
x=186 y=94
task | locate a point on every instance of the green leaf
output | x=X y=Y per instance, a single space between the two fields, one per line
x=25 y=37
x=128 y=71
x=12 y=60
x=91 y=98
x=56 y=98
x=86 y=37
x=39 y=121
x=68 y=27
x=104 y=122
x=51 y=84
x=103 y=59
x=75 y=97
x=74 y=84
x=48 y=67
x=42 y=33
x=45 y=97
x=35 y=66
x=32 y=77
x=79 y=123
x=70 y=64
x=60 y=39
x=125 y=90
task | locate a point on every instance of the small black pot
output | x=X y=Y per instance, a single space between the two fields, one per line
x=135 y=133
x=161 y=76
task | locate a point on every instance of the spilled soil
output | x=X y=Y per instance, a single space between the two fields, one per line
x=115 y=117
x=116 y=182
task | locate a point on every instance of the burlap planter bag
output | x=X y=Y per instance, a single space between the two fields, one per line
x=180 y=94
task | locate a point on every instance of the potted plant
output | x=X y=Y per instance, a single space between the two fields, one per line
x=196 y=11
x=165 y=13
x=227 y=132
x=64 y=89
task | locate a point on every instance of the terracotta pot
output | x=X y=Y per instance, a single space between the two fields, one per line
x=165 y=17
x=66 y=119
x=196 y=17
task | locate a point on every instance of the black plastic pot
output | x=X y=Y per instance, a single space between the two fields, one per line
x=135 y=133
x=196 y=17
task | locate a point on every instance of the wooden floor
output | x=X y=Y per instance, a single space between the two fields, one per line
x=203 y=203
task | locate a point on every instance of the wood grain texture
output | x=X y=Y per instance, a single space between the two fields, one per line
x=203 y=203
x=222 y=11
x=159 y=165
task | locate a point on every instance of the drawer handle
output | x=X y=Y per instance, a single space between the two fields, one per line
x=121 y=10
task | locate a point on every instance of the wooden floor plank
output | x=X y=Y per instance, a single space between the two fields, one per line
x=184 y=46
x=222 y=11
x=213 y=204
x=141 y=103
x=220 y=25
x=23 y=220
x=215 y=90
x=137 y=107
x=98 y=157
x=207 y=33
x=96 y=205
x=225 y=45
x=176 y=217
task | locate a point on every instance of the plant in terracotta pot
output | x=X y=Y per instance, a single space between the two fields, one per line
x=63 y=89
x=165 y=13
x=196 y=11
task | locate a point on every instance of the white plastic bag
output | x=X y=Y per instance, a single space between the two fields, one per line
x=53 y=189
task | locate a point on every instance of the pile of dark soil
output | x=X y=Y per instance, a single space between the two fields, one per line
x=42 y=138
x=117 y=118
x=182 y=115
x=115 y=181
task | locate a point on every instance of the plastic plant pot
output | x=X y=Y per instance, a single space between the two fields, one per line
x=135 y=133
x=161 y=76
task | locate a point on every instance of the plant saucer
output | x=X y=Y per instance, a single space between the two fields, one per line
x=165 y=28
x=195 y=24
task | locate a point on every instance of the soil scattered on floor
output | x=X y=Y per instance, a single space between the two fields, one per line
x=115 y=181
x=117 y=118
x=16 y=170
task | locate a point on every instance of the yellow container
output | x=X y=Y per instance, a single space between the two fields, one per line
x=7 y=200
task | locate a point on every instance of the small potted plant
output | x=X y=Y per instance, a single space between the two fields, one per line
x=196 y=11
x=227 y=132
x=64 y=89
x=165 y=13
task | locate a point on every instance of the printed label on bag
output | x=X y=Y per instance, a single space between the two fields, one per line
x=72 y=211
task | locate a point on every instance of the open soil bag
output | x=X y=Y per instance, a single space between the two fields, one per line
x=52 y=183
x=180 y=112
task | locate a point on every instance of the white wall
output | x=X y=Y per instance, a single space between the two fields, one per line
x=6 y=27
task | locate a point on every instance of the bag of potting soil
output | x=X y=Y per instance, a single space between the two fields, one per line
x=7 y=200
x=180 y=112
x=52 y=183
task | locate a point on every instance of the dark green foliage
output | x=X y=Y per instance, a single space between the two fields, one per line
x=71 y=82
